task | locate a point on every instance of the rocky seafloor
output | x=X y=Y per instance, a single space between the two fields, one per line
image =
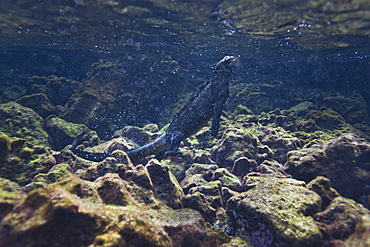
x=281 y=172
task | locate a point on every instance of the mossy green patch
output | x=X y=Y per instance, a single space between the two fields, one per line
x=19 y=121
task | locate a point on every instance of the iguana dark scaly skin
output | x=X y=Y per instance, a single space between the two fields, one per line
x=205 y=105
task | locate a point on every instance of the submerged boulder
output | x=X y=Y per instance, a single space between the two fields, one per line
x=75 y=212
x=21 y=161
x=19 y=121
x=275 y=212
x=334 y=160
x=339 y=219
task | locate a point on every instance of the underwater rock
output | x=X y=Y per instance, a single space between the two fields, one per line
x=322 y=186
x=165 y=184
x=227 y=179
x=237 y=242
x=325 y=119
x=334 y=160
x=203 y=194
x=339 y=219
x=352 y=108
x=39 y=103
x=140 y=136
x=53 y=174
x=258 y=96
x=199 y=202
x=62 y=133
x=19 y=121
x=270 y=168
x=75 y=212
x=5 y=147
x=275 y=211
x=21 y=160
x=115 y=94
x=254 y=142
x=119 y=163
x=243 y=165
x=57 y=89
x=11 y=194
x=235 y=143
x=113 y=190
x=196 y=175
x=360 y=238
x=50 y=217
x=278 y=140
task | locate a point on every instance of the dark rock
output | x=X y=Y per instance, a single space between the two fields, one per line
x=136 y=134
x=198 y=202
x=39 y=103
x=271 y=168
x=197 y=175
x=57 y=89
x=361 y=235
x=326 y=118
x=339 y=219
x=352 y=108
x=119 y=163
x=235 y=143
x=243 y=165
x=75 y=212
x=113 y=190
x=227 y=179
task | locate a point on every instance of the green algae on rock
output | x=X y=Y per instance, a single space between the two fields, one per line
x=19 y=121
x=333 y=160
x=165 y=184
x=75 y=212
x=61 y=133
x=276 y=211
x=322 y=187
x=11 y=194
x=23 y=160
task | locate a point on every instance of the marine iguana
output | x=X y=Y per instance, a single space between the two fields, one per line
x=193 y=116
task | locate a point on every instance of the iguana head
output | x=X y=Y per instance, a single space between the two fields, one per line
x=225 y=65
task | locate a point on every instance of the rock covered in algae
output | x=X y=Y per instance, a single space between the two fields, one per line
x=322 y=186
x=21 y=160
x=11 y=194
x=235 y=143
x=339 y=219
x=352 y=108
x=334 y=160
x=165 y=184
x=19 y=121
x=253 y=142
x=275 y=212
x=75 y=212
x=62 y=133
